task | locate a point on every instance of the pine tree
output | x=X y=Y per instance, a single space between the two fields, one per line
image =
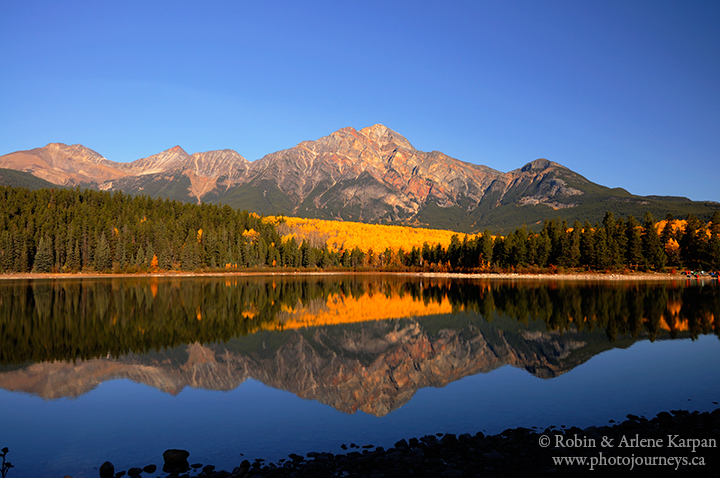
x=652 y=249
x=44 y=257
x=692 y=243
x=571 y=251
x=103 y=256
x=634 y=255
x=190 y=253
x=543 y=247
x=587 y=246
x=486 y=248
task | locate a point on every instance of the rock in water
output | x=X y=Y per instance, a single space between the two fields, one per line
x=176 y=461
x=107 y=470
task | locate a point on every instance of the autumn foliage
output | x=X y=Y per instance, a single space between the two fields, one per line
x=346 y=235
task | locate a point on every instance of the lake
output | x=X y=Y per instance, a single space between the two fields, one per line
x=232 y=368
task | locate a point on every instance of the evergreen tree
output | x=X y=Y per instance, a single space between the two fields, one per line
x=634 y=255
x=543 y=247
x=692 y=243
x=652 y=249
x=587 y=246
x=190 y=253
x=571 y=250
x=44 y=257
x=603 y=258
x=103 y=257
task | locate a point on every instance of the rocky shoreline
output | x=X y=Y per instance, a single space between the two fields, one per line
x=675 y=443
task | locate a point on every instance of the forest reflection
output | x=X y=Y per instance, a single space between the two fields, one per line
x=82 y=319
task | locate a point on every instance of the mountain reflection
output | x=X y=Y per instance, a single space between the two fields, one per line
x=353 y=342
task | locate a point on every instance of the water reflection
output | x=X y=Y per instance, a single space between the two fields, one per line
x=355 y=343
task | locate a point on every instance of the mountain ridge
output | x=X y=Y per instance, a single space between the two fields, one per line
x=372 y=175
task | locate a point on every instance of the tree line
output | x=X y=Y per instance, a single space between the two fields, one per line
x=69 y=230
x=614 y=244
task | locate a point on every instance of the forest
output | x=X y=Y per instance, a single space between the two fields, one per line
x=72 y=230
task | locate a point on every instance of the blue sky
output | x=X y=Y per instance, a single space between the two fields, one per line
x=625 y=93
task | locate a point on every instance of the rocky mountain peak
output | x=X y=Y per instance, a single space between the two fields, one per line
x=76 y=152
x=167 y=160
x=537 y=165
x=384 y=136
x=224 y=162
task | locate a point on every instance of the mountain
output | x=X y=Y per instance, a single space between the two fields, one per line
x=372 y=175
x=63 y=164
x=177 y=175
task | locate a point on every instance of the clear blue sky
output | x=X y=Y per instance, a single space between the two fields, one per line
x=626 y=93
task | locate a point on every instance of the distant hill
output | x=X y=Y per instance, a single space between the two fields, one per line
x=21 y=179
x=373 y=175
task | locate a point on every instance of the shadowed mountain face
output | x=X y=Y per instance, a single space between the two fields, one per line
x=317 y=339
x=372 y=175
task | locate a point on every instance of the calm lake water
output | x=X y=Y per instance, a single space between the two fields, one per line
x=235 y=367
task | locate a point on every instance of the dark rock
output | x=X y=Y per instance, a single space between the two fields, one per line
x=449 y=440
x=176 y=461
x=208 y=468
x=119 y=474
x=150 y=469
x=245 y=464
x=135 y=471
x=465 y=438
x=107 y=470
x=402 y=444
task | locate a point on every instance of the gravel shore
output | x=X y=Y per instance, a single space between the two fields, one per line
x=675 y=443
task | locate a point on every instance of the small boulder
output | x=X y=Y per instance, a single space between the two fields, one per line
x=176 y=460
x=150 y=469
x=107 y=470
x=402 y=444
x=134 y=471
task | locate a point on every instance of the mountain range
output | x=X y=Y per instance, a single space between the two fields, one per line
x=371 y=175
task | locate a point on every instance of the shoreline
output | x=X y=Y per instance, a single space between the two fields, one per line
x=675 y=443
x=579 y=276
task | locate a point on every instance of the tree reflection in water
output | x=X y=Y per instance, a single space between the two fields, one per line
x=68 y=320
